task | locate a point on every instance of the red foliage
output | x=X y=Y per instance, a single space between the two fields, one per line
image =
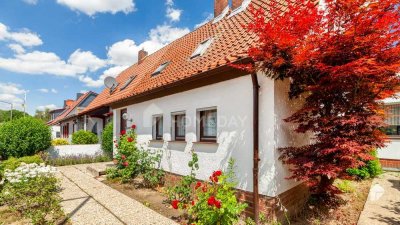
x=340 y=58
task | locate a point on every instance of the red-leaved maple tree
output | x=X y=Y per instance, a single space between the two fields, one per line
x=341 y=57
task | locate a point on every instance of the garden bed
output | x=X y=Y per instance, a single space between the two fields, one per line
x=152 y=198
x=345 y=210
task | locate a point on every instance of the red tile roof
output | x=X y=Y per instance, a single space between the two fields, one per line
x=230 y=43
x=65 y=114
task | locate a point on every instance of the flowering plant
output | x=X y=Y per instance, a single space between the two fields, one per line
x=27 y=171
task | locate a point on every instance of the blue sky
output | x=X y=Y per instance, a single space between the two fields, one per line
x=53 y=49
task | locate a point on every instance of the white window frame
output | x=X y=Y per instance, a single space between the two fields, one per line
x=202 y=48
x=154 y=127
x=199 y=130
x=173 y=125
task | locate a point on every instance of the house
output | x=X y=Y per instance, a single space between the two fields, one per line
x=55 y=128
x=390 y=155
x=187 y=96
x=70 y=120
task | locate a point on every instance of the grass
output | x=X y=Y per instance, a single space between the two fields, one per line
x=345 y=186
x=79 y=159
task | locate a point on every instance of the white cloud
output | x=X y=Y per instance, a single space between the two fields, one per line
x=31 y=2
x=173 y=14
x=208 y=18
x=111 y=72
x=86 y=60
x=18 y=49
x=11 y=92
x=44 y=107
x=123 y=52
x=91 y=7
x=43 y=90
x=24 y=37
x=54 y=91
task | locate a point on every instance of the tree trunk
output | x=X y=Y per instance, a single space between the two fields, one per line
x=324 y=185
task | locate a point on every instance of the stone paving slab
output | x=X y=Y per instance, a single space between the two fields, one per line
x=383 y=203
x=108 y=204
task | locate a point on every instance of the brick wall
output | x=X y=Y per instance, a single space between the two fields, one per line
x=390 y=163
x=292 y=200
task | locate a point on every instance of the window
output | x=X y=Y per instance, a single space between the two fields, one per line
x=128 y=82
x=202 y=48
x=393 y=120
x=208 y=125
x=158 y=127
x=160 y=68
x=123 y=123
x=179 y=124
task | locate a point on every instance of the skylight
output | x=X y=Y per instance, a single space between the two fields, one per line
x=128 y=82
x=222 y=15
x=239 y=9
x=160 y=68
x=202 y=48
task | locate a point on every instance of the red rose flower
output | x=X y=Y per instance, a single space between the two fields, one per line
x=123 y=157
x=217 y=173
x=126 y=164
x=214 y=179
x=129 y=139
x=198 y=184
x=217 y=204
x=116 y=145
x=204 y=189
x=211 y=201
x=133 y=126
x=123 y=132
x=193 y=203
x=175 y=204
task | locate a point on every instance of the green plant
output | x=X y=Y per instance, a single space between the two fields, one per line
x=83 y=137
x=23 y=137
x=32 y=191
x=151 y=171
x=183 y=190
x=59 y=141
x=345 y=186
x=371 y=169
x=13 y=163
x=77 y=159
x=107 y=139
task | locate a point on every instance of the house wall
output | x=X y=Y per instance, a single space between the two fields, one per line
x=233 y=100
x=54 y=131
x=74 y=150
x=390 y=155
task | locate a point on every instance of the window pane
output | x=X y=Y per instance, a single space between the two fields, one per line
x=393 y=115
x=159 y=127
x=180 y=125
x=210 y=123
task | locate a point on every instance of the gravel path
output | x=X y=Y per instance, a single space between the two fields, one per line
x=87 y=201
x=383 y=204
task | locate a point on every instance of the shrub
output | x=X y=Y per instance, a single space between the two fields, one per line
x=214 y=202
x=83 y=137
x=107 y=139
x=59 y=141
x=23 y=137
x=371 y=169
x=13 y=163
x=32 y=190
x=345 y=186
x=132 y=162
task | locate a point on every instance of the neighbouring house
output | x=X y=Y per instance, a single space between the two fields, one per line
x=71 y=119
x=55 y=128
x=187 y=96
x=390 y=155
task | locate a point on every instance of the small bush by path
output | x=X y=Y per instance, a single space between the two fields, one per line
x=59 y=141
x=83 y=137
x=107 y=139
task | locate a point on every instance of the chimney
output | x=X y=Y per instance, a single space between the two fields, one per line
x=236 y=4
x=219 y=6
x=68 y=102
x=142 y=54
x=78 y=95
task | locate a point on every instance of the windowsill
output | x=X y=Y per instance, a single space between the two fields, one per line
x=178 y=141
x=157 y=140
x=206 y=142
x=393 y=136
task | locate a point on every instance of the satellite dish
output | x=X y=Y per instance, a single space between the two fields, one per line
x=110 y=82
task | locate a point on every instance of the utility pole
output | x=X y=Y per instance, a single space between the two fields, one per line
x=24 y=105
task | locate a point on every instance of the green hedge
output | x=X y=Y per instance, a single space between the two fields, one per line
x=24 y=137
x=107 y=139
x=84 y=138
x=59 y=141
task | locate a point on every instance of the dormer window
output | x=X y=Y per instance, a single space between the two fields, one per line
x=128 y=82
x=241 y=8
x=202 y=48
x=160 y=69
x=222 y=15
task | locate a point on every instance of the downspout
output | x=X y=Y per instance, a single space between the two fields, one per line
x=256 y=159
